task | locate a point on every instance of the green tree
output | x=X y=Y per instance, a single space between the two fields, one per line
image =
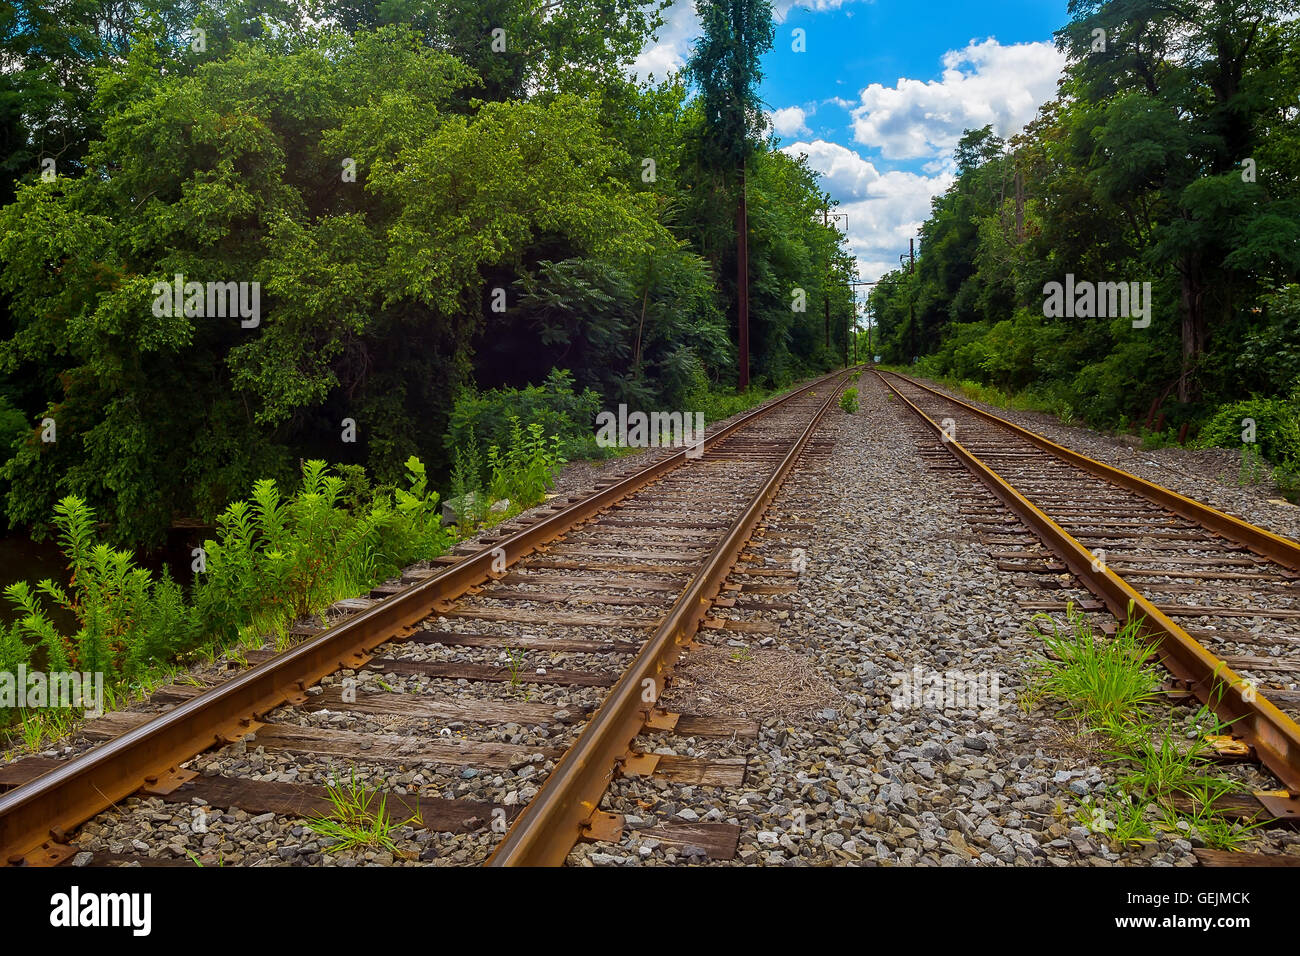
x=1184 y=85
x=724 y=63
x=371 y=290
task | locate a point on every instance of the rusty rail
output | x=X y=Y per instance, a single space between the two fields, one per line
x=1264 y=543
x=48 y=808
x=567 y=806
x=1274 y=735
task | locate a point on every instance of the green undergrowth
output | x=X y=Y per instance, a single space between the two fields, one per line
x=720 y=404
x=277 y=557
x=280 y=556
x=358 y=819
x=1267 y=430
x=1165 y=774
x=1023 y=401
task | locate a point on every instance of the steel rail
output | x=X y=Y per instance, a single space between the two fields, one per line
x=564 y=809
x=49 y=807
x=1274 y=547
x=1274 y=736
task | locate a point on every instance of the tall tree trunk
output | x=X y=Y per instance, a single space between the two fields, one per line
x=1020 y=207
x=826 y=296
x=742 y=282
x=1192 y=307
x=640 y=328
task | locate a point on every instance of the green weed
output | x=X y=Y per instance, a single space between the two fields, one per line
x=358 y=819
x=526 y=469
x=1165 y=777
x=1252 y=465
x=1104 y=683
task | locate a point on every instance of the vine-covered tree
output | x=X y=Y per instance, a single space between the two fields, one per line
x=724 y=64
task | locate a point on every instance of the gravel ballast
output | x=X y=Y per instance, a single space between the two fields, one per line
x=895 y=581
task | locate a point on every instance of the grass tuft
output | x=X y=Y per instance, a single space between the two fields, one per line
x=1104 y=683
x=358 y=819
x=1165 y=778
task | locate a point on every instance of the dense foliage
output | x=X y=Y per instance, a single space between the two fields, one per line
x=276 y=558
x=1171 y=156
x=439 y=201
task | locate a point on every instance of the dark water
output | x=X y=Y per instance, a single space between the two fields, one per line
x=22 y=559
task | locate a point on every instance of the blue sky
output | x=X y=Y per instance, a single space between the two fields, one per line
x=884 y=89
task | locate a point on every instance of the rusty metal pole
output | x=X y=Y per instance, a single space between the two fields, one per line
x=911 y=305
x=742 y=283
x=826 y=297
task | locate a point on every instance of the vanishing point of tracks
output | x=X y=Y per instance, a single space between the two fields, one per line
x=1221 y=597
x=613 y=584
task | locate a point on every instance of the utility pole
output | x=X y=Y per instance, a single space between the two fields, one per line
x=911 y=305
x=827 y=219
x=855 y=329
x=855 y=285
x=742 y=283
x=826 y=298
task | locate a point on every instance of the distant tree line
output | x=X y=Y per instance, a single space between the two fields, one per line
x=434 y=197
x=1170 y=156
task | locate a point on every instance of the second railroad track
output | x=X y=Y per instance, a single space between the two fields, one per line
x=1219 y=597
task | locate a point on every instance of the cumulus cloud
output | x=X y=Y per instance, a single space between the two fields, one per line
x=790 y=121
x=885 y=209
x=668 y=51
x=986 y=83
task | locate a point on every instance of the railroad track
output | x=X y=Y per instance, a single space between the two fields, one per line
x=1218 y=595
x=513 y=683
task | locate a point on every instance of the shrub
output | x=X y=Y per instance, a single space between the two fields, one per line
x=526 y=468
x=1270 y=355
x=849 y=400
x=13 y=424
x=719 y=404
x=278 y=559
x=1287 y=478
x=275 y=559
x=484 y=417
x=123 y=616
x=125 y=620
x=1277 y=428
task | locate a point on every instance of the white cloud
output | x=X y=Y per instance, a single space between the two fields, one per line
x=789 y=121
x=781 y=8
x=986 y=83
x=885 y=209
x=667 y=53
